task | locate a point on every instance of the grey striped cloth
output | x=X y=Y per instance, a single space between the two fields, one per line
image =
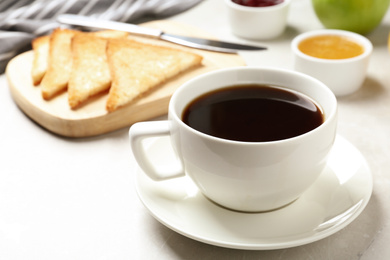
x=23 y=20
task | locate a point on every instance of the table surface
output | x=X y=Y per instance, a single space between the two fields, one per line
x=63 y=198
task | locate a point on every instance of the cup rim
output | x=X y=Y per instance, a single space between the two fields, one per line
x=330 y=117
x=367 y=45
x=231 y=4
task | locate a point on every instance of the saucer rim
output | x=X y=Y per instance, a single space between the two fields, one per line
x=266 y=246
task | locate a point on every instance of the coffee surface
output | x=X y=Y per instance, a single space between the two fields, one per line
x=253 y=113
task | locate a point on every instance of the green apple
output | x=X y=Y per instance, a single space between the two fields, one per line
x=360 y=16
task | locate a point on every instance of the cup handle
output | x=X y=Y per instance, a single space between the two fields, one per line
x=143 y=130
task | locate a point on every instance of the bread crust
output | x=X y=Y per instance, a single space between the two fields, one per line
x=60 y=63
x=40 y=46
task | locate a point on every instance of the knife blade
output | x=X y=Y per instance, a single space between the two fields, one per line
x=198 y=43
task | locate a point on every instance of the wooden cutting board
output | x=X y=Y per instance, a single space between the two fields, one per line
x=92 y=118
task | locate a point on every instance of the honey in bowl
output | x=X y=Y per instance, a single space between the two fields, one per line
x=331 y=47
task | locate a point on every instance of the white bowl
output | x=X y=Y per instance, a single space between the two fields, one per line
x=342 y=76
x=257 y=22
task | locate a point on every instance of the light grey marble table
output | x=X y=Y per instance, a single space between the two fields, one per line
x=63 y=198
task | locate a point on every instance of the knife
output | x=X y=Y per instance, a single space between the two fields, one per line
x=198 y=43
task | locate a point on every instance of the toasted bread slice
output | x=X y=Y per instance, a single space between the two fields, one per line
x=90 y=73
x=137 y=67
x=40 y=46
x=109 y=34
x=60 y=63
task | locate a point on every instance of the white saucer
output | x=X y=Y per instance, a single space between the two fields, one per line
x=335 y=200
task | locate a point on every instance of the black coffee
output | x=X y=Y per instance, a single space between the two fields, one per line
x=253 y=113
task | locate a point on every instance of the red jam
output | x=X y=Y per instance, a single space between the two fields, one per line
x=258 y=3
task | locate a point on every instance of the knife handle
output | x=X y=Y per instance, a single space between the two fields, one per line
x=86 y=21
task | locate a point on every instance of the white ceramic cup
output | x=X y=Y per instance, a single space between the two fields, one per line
x=342 y=76
x=243 y=176
x=258 y=23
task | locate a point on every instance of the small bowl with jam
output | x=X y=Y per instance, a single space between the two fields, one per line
x=257 y=19
x=338 y=58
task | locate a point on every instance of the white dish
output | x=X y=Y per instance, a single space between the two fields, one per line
x=335 y=200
